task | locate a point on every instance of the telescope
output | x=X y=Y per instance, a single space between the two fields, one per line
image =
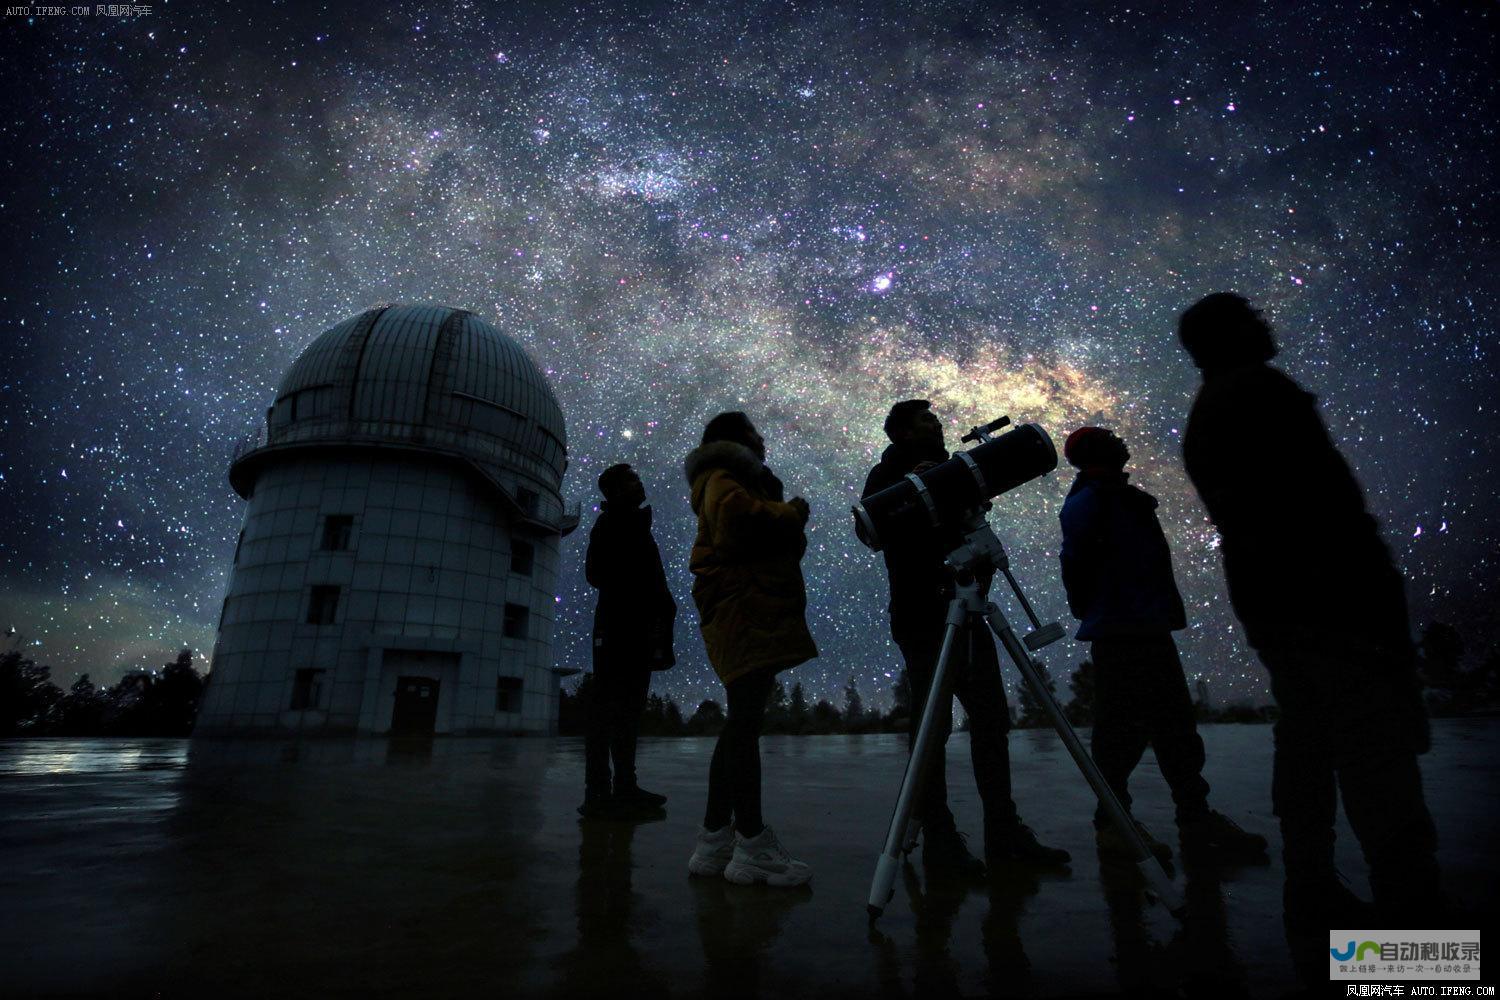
x=947 y=493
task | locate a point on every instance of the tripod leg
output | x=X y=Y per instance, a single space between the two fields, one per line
x=883 y=886
x=1151 y=869
x=944 y=696
x=914 y=825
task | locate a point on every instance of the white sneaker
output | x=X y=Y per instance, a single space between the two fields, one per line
x=763 y=859
x=713 y=851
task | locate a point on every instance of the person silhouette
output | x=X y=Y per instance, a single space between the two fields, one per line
x=1117 y=571
x=752 y=610
x=632 y=637
x=1322 y=604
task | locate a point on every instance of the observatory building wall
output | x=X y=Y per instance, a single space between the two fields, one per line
x=353 y=573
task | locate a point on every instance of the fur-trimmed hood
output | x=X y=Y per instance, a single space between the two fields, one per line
x=731 y=456
x=738 y=463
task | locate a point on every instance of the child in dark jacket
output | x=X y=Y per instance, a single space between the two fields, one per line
x=1117 y=570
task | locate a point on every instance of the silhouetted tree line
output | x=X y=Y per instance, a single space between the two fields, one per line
x=161 y=702
x=787 y=712
x=165 y=701
x=1451 y=690
x=1079 y=709
x=790 y=713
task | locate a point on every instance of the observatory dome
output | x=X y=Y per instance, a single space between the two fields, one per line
x=423 y=378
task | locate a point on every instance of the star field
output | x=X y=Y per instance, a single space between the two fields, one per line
x=803 y=211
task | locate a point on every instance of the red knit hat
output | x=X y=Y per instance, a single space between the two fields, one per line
x=1083 y=446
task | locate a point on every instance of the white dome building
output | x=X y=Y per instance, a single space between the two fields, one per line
x=397 y=569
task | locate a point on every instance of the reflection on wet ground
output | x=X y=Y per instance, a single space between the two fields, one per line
x=454 y=867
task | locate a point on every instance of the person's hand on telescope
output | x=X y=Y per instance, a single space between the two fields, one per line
x=922 y=467
x=801 y=506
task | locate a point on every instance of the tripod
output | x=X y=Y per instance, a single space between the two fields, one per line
x=981 y=554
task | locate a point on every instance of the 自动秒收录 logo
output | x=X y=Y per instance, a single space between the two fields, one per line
x=1356 y=953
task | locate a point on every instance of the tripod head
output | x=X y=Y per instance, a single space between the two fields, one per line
x=982 y=554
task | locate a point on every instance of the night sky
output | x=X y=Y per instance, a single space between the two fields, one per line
x=799 y=211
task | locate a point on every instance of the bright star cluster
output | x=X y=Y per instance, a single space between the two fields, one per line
x=803 y=211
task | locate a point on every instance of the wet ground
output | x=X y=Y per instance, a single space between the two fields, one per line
x=457 y=867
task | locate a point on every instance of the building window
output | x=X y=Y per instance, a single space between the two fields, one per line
x=314 y=401
x=237 y=545
x=487 y=416
x=508 y=691
x=307 y=688
x=324 y=605
x=337 y=529
x=522 y=557
x=527 y=500
x=515 y=621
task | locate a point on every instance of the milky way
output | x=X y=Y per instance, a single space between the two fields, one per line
x=803 y=212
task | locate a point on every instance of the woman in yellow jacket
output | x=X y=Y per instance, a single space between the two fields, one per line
x=752 y=603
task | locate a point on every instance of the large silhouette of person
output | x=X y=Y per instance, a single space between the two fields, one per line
x=1322 y=604
x=752 y=609
x=1117 y=570
x=921 y=588
x=632 y=637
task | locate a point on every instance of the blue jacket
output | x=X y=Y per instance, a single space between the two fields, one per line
x=1115 y=563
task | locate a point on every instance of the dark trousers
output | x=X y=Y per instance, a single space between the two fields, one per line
x=734 y=773
x=974 y=676
x=1141 y=698
x=1352 y=722
x=617 y=697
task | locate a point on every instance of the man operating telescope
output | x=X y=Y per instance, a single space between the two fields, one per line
x=921 y=589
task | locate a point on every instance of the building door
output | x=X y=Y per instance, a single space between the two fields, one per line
x=416 y=706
